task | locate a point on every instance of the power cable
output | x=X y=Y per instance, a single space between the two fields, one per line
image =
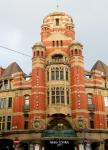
x=15 y=51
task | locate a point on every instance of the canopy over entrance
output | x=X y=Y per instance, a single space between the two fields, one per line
x=59 y=127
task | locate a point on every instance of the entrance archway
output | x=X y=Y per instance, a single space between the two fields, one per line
x=95 y=146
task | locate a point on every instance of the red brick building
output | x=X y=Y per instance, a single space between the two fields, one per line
x=59 y=102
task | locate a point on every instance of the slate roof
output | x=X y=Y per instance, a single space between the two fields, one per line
x=100 y=66
x=12 y=68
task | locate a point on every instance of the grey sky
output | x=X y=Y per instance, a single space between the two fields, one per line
x=20 y=22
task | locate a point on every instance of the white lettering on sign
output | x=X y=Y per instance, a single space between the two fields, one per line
x=59 y=142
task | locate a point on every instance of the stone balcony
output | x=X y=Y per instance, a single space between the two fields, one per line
x=25 y=108
x=91 y=107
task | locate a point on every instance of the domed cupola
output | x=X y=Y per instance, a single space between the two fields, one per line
x=39 y=49
x=75 y=48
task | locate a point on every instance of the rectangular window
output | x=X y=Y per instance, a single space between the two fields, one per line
x=57 y=44
x=62 y=97
x=61 y=75
x=66 y=75
x=26 y=122
x=89 y=99
x=57 y=75
x=52 y=75
x=67 y=97
x=47 y=76
x=1 y=102
x=8 y=122
x=106 y=100
x=91 y=121
x=4 y=102
x=47 y=97
x=53 y=97
x=2 y=123
x=10 y=102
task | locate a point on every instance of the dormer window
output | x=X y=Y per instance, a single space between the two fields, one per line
x=57 y=22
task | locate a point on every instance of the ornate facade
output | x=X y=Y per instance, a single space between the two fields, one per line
x=59 y=102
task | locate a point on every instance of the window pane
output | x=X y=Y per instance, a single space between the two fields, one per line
x=62 y=92
x=26 y=125
x=47 y=76
x=57 y=99
x=57 y=88
x=4 y=102
x=10 y=102
x=26 y=102
x=92 y=124
x=9 y=118
x=106 y=100
x=62 y=99
x=53 y=99
x=0 y=127
x=8 y=125
x=57 y=75
x=26 y=117
x=0 y=87
x=53 y=92
x=91 y=116
x=61 y=75
x=67 y=76
x=67 y=100
x=52 y=75
x=47 y=93
x=57 y=92
x=89 y=100
x=10 y=86
x=47 y=100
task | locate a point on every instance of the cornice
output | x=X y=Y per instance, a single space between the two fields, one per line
x=20 y=88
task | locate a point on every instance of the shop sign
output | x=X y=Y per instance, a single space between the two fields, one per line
x=59 y=142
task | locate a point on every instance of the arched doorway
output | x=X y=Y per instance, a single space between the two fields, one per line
x=95 y=146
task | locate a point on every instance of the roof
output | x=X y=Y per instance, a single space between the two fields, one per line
x=100 y=66
x=12 y=68
x=58 y=12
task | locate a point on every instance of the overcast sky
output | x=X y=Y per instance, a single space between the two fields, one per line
x=20 y=22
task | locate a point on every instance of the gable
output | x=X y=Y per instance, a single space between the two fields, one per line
x=57 y=37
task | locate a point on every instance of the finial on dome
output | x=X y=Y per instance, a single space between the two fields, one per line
x=57 y=6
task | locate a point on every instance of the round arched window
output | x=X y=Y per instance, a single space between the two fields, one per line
x=59 y=124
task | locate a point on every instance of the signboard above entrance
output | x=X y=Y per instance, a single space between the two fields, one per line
x=59 y=142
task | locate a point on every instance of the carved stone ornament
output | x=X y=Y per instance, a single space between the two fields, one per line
x=37 y=123
x=99 y=92
x=80 y=123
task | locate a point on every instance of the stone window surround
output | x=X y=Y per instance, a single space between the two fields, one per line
x=61 y=88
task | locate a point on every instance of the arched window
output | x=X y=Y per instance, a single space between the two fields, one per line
x=75 y=51
x=37 y=53
x=61 y=43
x=59 y=124
x=34 y=53
x=53 y=44
x=41 y=53
x=57 y=44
